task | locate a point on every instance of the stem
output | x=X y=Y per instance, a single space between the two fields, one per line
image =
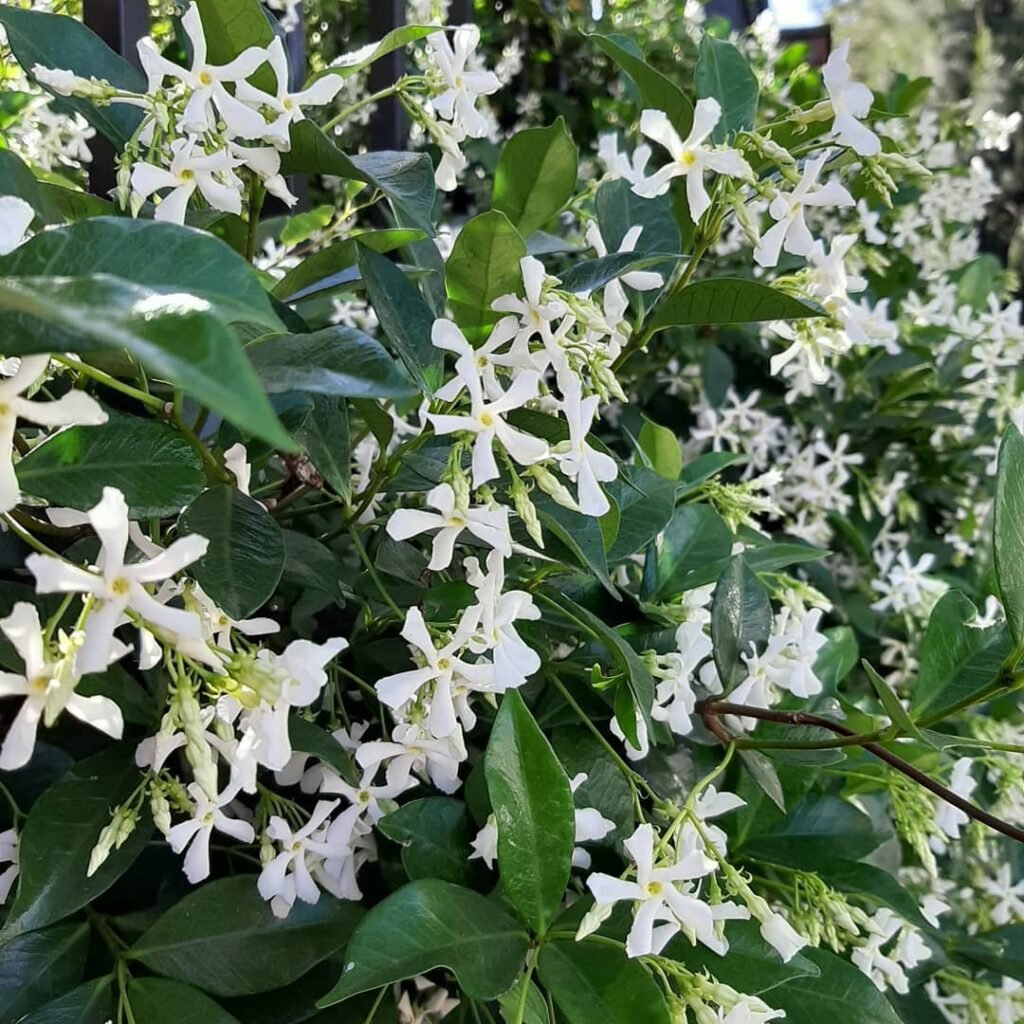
x=383 y=94
x=32 y=542
x=194 y=441
x=16 y=810
x=376 y=1006
x=374 y=575
x=712 y=709
x=256 y=195
x=531 y=963
x=157 y=404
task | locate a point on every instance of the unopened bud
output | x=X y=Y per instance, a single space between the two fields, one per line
x=552 y=486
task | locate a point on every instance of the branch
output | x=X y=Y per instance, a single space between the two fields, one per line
x=711 y=710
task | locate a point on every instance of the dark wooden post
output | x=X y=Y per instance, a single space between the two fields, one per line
x=388 y=127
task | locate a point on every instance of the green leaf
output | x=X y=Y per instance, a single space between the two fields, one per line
x=429 y=924
x=741 y=620
x=694 y=538
x=168 y=259
x=336 y=361
x=224 y=938
x=957 y=660
x=91 y=1003
x=17 y=180
x=62 y=829
x=536 y=176
x=160 y=1001
x=765 y=777
x=245 y=559
x=587 y=275
x=308 y=738
x=751 y=965
x=483 y=265
x=662 y=447
x=619 y=209
x=535 y=1010
x=893 y=708
x=231 y=26
x=319 y=271
x=729 y=300
x=533 y=807
x=300 y=227
x=434 y=834
x=57 y=41
x=723 y=74
x=818 y=826
x=323 y=433
x=396 y=39
x=768 y=558
x=1000 y=950
x=592 y=983
x=1009 y=531
x=407 y=179
x=837 y=657
x=839 y=992
x=578 y=534
x=654 y=88
x=405 y=318
x=158 y=471
x=175 y=339
x=310 y=564
x=38 y=966
x=645 y=502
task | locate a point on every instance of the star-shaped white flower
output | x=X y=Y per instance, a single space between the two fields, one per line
x=577 y=459
x=16 y=217
x=194 y=834
x=851 y=101
x=462 y=86
x=691 y=157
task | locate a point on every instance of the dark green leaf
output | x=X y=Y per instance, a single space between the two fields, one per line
x=429 y=924
x=434 y=834
x=155 y=468
x=619 y=209
x=310 y=564
x=396 y=39
x=405 y=318
x=175 y=339
x=741 y=620
x=764 y=775
x=535 y=177
x=769 y=558
x=323 y=433
x=57 y=41
x=224 y=938
x=533 y=807
x=1009 y=531
x=62 y=829
x=168 y=259
x=654 y=88
x=407 y=179
x=1000 y=950
x=645 y=502
x=584 y=277
x=17 y=180
x=723 y=74
x=535 y=1010
x=837 y=657
x=694 y=537
x=90 y=1003
x=336 y=361
x=483 y=265
x=578 y=534
x=36 y=967
x=729 y=300
x=245 y=559
x=160 y=1001
x=893 y=708
x=231 y=26
x=308 y=738
x=592 y=983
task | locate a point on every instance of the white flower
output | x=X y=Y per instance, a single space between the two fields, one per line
x=444 y=672
x=811 y=341
x=9 y=856
x=285 y=105
x=485 y=843
x=790 y=230
x=712 y=804
x=675 y=699
x=191 y=168
x=869 y=223
x=74 y=407
x=486 y=421
x=16 y=217
x=906 y=587
x=453 y=161
x=266 y=162
x=850 y=101
x=590 y=826
x=220 y=625
x=207 y=815
x=488 y=525
x=615 y=300
x=661 y=907
x=579 y=460
x=48 y=688
x=691 y=158
x=537 y=310
x=204 y=82
x=483 y=361
x=461 y=86
x=781 y=936
x=118 y=587
x=950 y=819
x=289 y=874
x=1009 y=895
x=620 y=164
x=412 y=749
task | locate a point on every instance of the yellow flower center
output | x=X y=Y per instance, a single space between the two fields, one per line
x=485 y=419
x=688 y=158
x=443 y=664
x=288 y=103
x=654 y=888
x=363 y=796
x=205 y=78
x=186 y=175
x=38 y=684
x=208 y=818
x=5 y=410
x=120 y=587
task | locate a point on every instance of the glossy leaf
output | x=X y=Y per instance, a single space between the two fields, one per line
x=592 y=983
x=91 y=1003
x=645 y=502
x=58 y=41
x=533 y=808
x=245 y=558
x=231 y=26
x=1000 y=950
x=434 y=834
x=605 y=788
x=309 y=738
x=661 y=446
x=62 y=829
x=429 y=924
x=155 y=468
x=323 y=433
x=741 y=620
x=405 y=318
x=38 y=966
x=535 y=177
x=483 y=265
x=694 y=537
x=396 y=39
x=578 y=535
x=176 y=339
x=337 y=361
x=729 y=300
x=655 y=89
x=1009 y=531
x=224 y=938
x=160 y=1001
x=723 y=74
x=588 y=275
x=168 y=259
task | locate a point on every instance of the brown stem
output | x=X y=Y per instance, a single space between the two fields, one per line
x=711 y=710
